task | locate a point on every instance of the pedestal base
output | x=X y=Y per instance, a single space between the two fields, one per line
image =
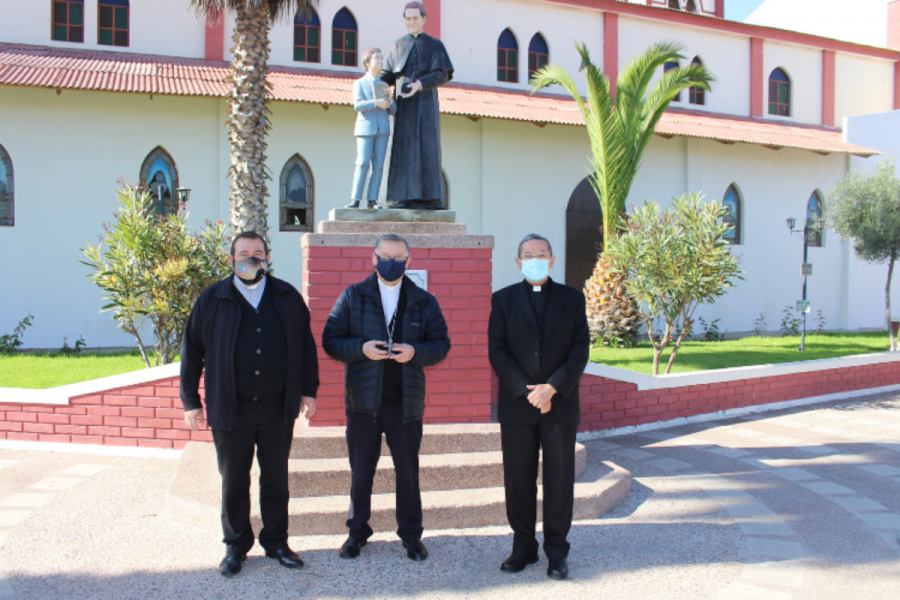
x=393 y=215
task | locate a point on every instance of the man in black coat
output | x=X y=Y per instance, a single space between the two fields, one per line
x=538 y=344
x=250 y=332
x=417 y=64
x=386 y=330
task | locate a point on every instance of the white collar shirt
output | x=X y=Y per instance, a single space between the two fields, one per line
x=251 y=293
x=390 y=298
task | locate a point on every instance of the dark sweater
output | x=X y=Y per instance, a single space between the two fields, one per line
x=260 y=354
x=392 y=390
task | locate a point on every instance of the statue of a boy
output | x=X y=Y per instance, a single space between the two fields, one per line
x=373 y=103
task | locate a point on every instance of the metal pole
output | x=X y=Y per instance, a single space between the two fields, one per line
x=805 y=252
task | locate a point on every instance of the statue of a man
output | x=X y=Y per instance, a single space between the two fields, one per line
x=417 y=64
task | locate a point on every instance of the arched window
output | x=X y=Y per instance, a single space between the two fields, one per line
x=160 y=177
x=297 y=196
x=733 y=204
x=676 y=4
x=7 y=195
x=814 y=212
x=68 y=21
x=668 y=67
x=307 y=27
x=697 y=95
x=779 y=93
x=507 y=57
x=112 y=22
x=445 y=190
x=343 y=39
x=538 y=54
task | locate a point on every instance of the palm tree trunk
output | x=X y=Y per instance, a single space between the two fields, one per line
x=887 y=300
x=248 y=120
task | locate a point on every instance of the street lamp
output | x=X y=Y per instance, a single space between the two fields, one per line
x=184 y=194
x=813 y=226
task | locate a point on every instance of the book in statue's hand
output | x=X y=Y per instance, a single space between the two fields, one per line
x=381 y=91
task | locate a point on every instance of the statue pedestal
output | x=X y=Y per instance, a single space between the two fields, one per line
x=453 y=266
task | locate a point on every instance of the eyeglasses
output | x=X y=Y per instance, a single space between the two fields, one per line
x=539 y=256
x=398 y=259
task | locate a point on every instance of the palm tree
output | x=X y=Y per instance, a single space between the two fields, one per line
x=248 y=111
x=619 y=128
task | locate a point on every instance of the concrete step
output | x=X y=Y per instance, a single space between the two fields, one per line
x=466 y=470
x=330 y=442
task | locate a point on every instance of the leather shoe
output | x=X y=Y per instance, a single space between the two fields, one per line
x=372 y=205
x=353 y=204
x=286 y=558
x=516 y=563
x=415 y=550
x=351 y=547
x=231 y=564
x=557 y=568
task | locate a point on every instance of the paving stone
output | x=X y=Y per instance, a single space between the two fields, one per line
x=764 y=528
x=843 y=459
x=55 y=484
x=774 y=548
x=891 y=538
x=739 y=590
x=780 y=440
x=827 y=488
x=661 y=436
x=748 y=509
x=634 y=453
x=27 y=500
x=816 y=449
x=794 y=474
x=601 y=446
x=881 y=520
x=748 y=433
x=8 y=462
x=857 y=503
x=757 y=462
x=792 y=423
x=727 y=452
x=84 y=470
x=11 y=518
x=773 y=574
x=827 y=430
x=882 y=470
x=669 y=464
x=6 y=588
x=889 y=446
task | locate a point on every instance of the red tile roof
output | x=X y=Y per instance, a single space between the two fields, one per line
x=92 y=70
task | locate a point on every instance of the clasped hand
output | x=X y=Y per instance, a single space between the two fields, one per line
x=541 y=396
x=402 y=352
x=415 y=86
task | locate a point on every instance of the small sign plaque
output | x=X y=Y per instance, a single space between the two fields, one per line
x=806 y=269
x=803 y=306
x=420 y=278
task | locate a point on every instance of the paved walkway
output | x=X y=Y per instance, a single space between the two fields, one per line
x=800 y=504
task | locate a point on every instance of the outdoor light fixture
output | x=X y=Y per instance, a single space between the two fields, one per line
x=184 y=194
x=791 y=223
x=814 y=225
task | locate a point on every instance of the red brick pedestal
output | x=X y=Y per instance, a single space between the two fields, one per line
x=459 y=275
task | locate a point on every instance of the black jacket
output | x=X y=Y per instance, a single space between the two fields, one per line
x=519 y=360
x=358 y=317
x=209 y=342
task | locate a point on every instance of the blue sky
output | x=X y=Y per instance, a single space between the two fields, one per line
x=738 y=10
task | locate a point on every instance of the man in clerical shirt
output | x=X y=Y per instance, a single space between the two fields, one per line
x=386 y=330
x=417 y=64
x=251 y=335
x=538 y=345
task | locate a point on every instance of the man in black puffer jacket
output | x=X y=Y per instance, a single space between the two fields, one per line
x=386 y=330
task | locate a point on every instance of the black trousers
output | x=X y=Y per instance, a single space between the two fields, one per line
x=264 y=428
x=364 y=448
x=521 y=444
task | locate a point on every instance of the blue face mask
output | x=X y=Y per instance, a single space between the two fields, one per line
x=391 y=270
x=535 y=269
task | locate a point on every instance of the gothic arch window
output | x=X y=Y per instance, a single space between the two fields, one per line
x=68 y=21
x=297 y=196
x=697 y=95
x=814 y=211
x=307 y=30
x=7 y=193
x=343 y=39
x=538 y=54
x=734 y=205
x=779 y=93
x=445 y=190
x=668 y=67
x=112 y=22
x=507 y=57
x=160 y=177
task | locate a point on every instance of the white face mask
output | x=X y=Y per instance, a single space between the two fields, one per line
x=535 y=269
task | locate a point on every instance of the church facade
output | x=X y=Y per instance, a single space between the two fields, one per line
x=94 y=92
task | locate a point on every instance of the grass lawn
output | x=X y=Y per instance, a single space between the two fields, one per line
x=39 y=371
x=701 y=356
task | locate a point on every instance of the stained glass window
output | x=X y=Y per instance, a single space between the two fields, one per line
x=343 y=39
x=668 y=67
x=307 y=28
x=297 y=196
x=779 y=93
x=112 y=22
x=697 y=95
x=814 y=212
x=538 y=54
x=68 y=21
x=507 y=57
x=160 y=177
x=732 y=202
x=7 y=204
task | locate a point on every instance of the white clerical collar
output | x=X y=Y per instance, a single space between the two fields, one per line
x=415 y=35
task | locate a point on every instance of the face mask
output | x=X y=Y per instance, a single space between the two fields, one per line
x=391 y=270
x=250 y=270
x=535 y=269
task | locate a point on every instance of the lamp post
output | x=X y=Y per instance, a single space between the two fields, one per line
x=809 y=226
x=184 y=194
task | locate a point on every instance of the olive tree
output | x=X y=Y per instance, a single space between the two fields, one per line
x=866 y=208
x=673 y=261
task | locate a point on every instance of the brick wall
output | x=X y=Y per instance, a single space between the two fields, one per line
x=608 y=403
x=459 y=389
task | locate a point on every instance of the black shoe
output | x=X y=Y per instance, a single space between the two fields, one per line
x=557 y=568
x=351 y=547
x=516 y=563
x=401 y=205
x=231 y=564
x=353 y=204
x=415 y=550
x=286 y=558
x=372 y=205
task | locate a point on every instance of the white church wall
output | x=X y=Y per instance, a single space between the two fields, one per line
x=863 y=85
x=727 y=56
x=859 y=21
x=803 y=66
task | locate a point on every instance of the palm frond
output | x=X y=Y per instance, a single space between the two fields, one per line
x=277 y=9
